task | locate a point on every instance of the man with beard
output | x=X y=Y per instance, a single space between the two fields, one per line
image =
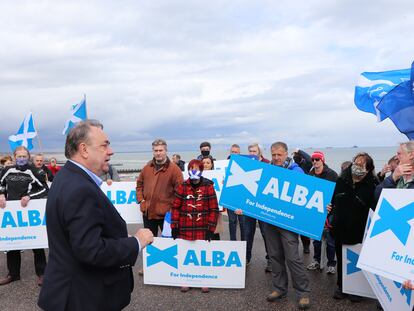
x=156 y=185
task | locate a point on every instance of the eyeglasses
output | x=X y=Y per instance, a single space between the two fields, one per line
x=316 y=159
x=104 y=146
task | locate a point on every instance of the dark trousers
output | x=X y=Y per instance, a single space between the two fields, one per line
x=233 y=219
x=330 y=249
x=305 y=241
x=250 y=230
x=153 y=224
x=338 y=250
x=14 y=260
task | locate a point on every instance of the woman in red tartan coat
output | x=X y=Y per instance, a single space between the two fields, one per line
x=194 y=210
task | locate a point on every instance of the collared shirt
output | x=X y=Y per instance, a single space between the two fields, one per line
x=92 y=175
x=404 y=184
x=99 y=182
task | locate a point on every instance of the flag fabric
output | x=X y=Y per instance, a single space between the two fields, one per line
x=166 y=229
x=78 y=113
x=25 y=134
x=398 y=105
x=373 y=86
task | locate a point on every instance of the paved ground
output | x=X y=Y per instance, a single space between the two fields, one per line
x=22 y=295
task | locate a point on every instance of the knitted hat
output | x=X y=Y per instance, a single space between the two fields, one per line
x=318 y=155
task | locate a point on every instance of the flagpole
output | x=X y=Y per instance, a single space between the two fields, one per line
x=86 y=108
x=37 y=134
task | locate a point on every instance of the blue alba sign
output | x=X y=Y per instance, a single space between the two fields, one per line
x=278 y=196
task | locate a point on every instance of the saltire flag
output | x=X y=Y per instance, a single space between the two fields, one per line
x=166 y=229
x=398 y=105
x=78 y=113
x=373 y=86
x=25 y=134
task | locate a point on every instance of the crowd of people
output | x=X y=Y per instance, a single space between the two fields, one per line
x=195 y=214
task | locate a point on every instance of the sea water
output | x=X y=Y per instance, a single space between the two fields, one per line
x=334 y=156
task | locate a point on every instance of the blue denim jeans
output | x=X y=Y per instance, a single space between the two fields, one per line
x=233 y=219
x=330 y=249
x=250 y=230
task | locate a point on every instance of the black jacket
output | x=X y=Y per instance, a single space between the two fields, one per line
x=327 y=173
x=19 y=181
x=181 y=165
x=351 y=204
x=45 y=173
x=90 y=253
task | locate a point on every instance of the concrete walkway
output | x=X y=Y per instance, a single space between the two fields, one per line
x=22 y=295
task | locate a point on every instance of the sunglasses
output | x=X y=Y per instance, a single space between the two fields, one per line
x=316 y=159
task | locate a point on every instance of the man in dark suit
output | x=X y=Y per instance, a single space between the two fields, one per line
x=90 y=253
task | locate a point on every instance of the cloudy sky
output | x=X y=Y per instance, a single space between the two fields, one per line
x=189 y=71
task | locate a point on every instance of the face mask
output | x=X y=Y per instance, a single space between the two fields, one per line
x=194 y=174
x=358 y=171
x=205 y=153
x=21 y=161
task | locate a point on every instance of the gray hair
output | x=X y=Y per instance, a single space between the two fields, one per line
x=408 y=146
x=159 y=142
x=79 y=134
x=279 y=144
x=18 y=148
x=259 y=147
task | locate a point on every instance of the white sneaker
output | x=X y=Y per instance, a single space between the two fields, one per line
x=314 y=265
x=331 y=270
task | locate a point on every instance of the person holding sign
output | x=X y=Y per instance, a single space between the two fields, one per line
x=194 y=210
x=208 y=164
x=401 y=178
x=22 y=182
x=235 y=216
x=321 y=170
x=283 y=246
x=354 y=196
x=250 y=222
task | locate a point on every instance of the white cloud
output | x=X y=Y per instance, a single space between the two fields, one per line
x=190 y=71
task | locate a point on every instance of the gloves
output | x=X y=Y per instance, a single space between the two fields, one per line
x=174 y=233
x=209 y=235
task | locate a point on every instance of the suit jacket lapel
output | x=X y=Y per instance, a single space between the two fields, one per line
x=73 y=167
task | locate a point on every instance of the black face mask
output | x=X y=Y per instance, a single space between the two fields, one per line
x=205 y=153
